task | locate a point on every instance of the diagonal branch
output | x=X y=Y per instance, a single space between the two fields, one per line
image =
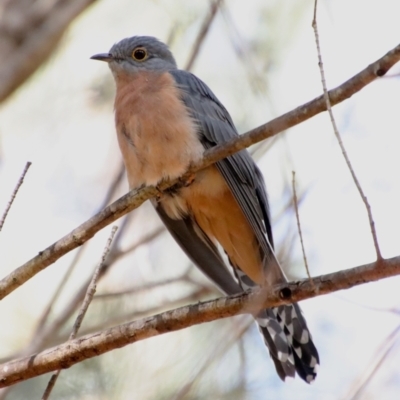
x=93 y=345
x=30 y=31
x=135 y=198
x=14 y=194
x=205 y=27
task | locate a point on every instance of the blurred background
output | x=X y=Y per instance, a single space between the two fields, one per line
x=259 y=57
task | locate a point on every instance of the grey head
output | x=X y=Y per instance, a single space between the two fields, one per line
x=138 y=53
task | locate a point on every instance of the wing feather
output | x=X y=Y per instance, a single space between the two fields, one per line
x=239 y=170
x=199 y=248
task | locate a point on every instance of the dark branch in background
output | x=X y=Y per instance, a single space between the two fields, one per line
x=29 y=33
x=14 y=194
x=135 y=198
x=203 y=33
x=339 y=138
x=93 y=345
x=91 y=290
x=145 y=287
x=244 y=53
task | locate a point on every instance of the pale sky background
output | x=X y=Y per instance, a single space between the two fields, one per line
x=55 y=122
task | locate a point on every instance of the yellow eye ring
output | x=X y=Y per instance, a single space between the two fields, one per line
x=139 y=54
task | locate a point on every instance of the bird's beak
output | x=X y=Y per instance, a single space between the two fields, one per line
x=107 y=57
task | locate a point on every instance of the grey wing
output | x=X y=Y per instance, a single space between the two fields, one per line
x=199 y=248
x=239 y=170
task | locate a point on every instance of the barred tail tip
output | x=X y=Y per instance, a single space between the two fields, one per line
x=289 y=342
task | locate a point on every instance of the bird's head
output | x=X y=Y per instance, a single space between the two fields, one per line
x=138 y=53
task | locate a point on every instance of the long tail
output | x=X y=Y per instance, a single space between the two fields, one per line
x=287 y=337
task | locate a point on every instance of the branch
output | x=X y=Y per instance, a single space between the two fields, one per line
x=92 y=345
x=135 y=198
x=29 y=34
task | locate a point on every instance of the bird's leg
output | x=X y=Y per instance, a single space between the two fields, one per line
x=160 y=192
x=183 y=182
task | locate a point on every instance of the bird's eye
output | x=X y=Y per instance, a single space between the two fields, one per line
x=139 y=54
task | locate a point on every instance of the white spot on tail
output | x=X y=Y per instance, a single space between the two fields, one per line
x=305 y=337
x=310 y=378
x=282 y=356
x=298 y=351
x=290 y=329
x=313 y=363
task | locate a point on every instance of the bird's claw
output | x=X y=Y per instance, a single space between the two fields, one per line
x=159 y=193
x=187 y=181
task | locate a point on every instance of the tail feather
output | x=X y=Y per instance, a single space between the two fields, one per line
x=287 y=337
x=304 y=353
x=283 y=368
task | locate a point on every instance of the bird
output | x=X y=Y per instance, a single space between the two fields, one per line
x=165 y=119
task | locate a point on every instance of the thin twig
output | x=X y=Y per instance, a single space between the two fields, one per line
x=378 y=358
x=116 y=252
x=296 y=209
x=221 y=348
x=92 y=286
x=145 y=239
x=393 y=310
x=140 y=289
x=203 y=33
x=338 y=136
x=135 y=198
x=91 y=290
x=14 y=194
x=242 y=49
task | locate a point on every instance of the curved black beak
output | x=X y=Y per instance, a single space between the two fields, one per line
x=107 y=57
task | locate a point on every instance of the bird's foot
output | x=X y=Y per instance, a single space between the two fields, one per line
x=187 y=181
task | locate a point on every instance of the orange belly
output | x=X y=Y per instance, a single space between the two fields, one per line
x=210 y=202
